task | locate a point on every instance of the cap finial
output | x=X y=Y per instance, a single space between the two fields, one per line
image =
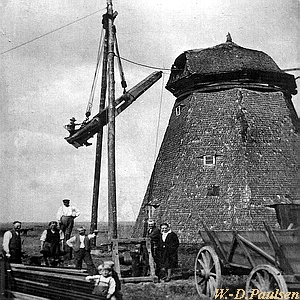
x=228 y=38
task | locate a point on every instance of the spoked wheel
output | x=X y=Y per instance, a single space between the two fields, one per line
x=207 y=272
x=265 y=278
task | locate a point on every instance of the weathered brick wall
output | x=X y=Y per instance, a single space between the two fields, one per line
x=253 y=139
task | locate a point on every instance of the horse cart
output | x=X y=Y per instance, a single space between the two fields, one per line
x=270 y=259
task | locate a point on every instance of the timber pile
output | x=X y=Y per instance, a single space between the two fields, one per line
x=57 y=283
x=51 y=283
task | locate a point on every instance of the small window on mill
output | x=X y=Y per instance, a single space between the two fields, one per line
x=209 y=160
x=213 y=190
x=178 y=110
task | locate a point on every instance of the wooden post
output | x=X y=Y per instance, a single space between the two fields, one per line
x=94 y=217
x=112 y=207
x=2 y=278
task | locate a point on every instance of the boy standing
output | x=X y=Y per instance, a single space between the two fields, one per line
x=105 y=285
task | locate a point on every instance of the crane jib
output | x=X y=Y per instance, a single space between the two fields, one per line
x=90 y=128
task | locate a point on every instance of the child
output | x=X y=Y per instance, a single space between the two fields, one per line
x=105 y=285
x=115 y=276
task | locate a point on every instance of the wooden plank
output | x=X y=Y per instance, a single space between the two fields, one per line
x=115 y=257
x=151 y=260
x=139 y=279
x=232 y=249
x=245 y=250
x=101 y=119
x=50 y=269
x=22 y=296
x=281 y=260
x=130 y=241
x=216 y=244
x=257 y=249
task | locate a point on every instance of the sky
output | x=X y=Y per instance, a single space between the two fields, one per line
x=47 y=81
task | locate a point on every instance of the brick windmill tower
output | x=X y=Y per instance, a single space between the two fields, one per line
x=229 y=151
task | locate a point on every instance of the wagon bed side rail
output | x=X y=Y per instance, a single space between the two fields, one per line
x=216 y=244
x=280 y=260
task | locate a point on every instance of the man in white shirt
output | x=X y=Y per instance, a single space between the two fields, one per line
x=12 y=245
x=65 y=216
x=81 y=244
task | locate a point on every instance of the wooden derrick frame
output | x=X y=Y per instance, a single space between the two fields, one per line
x=115 y=257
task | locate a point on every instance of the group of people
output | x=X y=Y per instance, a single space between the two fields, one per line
x=57 y=241
x=164 y=249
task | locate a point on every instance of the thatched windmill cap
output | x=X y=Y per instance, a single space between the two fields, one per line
x=226 y=62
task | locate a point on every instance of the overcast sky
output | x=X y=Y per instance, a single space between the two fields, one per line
x=47 y=81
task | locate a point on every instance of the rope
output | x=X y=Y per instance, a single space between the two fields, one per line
x=142 y=65
x=91 y=99
x=159 y=114
x=123 y=80
x=45 y=34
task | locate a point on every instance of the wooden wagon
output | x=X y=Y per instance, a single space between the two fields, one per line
x=270 y=258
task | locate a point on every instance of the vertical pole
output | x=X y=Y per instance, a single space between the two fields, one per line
x=94 y=217
x=112 y=205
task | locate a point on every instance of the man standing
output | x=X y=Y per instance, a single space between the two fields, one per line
x=52 y=244
x=65 y=216
x=12 y=245
x=81 y=244
x=154 y=234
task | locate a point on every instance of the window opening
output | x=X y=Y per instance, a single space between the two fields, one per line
x=213 y=190
x=209 y=160
x=178 y=110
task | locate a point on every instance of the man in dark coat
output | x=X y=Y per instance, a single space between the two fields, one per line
x=168 y=250
x=12 y=245
x=153 y=233
x=52 y=244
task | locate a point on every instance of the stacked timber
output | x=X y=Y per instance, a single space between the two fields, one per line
x=51 y=283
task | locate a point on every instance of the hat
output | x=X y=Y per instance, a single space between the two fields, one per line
x=53 y=222
x=106 y=267
x=72 y=119
x=151 y=221
x=81 y=228
x=66 y=200
x=109 y=264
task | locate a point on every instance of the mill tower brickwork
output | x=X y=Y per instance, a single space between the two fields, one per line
x=229 y=150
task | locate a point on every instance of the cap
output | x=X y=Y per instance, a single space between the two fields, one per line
x=151 y=221
x=52 y=222
x=66 y=200
x=109 y=263
x=106 y=267
x=81 y=228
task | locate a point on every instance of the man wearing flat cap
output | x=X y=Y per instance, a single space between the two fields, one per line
x=65 y=217
x=81 y=245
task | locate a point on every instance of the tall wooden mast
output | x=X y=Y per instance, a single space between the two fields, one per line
x=96 y=188
x=112 y=205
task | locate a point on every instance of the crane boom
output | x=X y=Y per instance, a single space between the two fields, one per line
x=80 y=137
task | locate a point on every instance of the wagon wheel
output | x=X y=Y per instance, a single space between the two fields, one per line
x=207 y=271
x=265 y=278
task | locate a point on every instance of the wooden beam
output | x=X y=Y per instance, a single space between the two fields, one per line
x=101 y=119
x=281 y=260
x=112 y=205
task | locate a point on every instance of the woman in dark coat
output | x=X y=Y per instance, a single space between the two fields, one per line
x=168 y=250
